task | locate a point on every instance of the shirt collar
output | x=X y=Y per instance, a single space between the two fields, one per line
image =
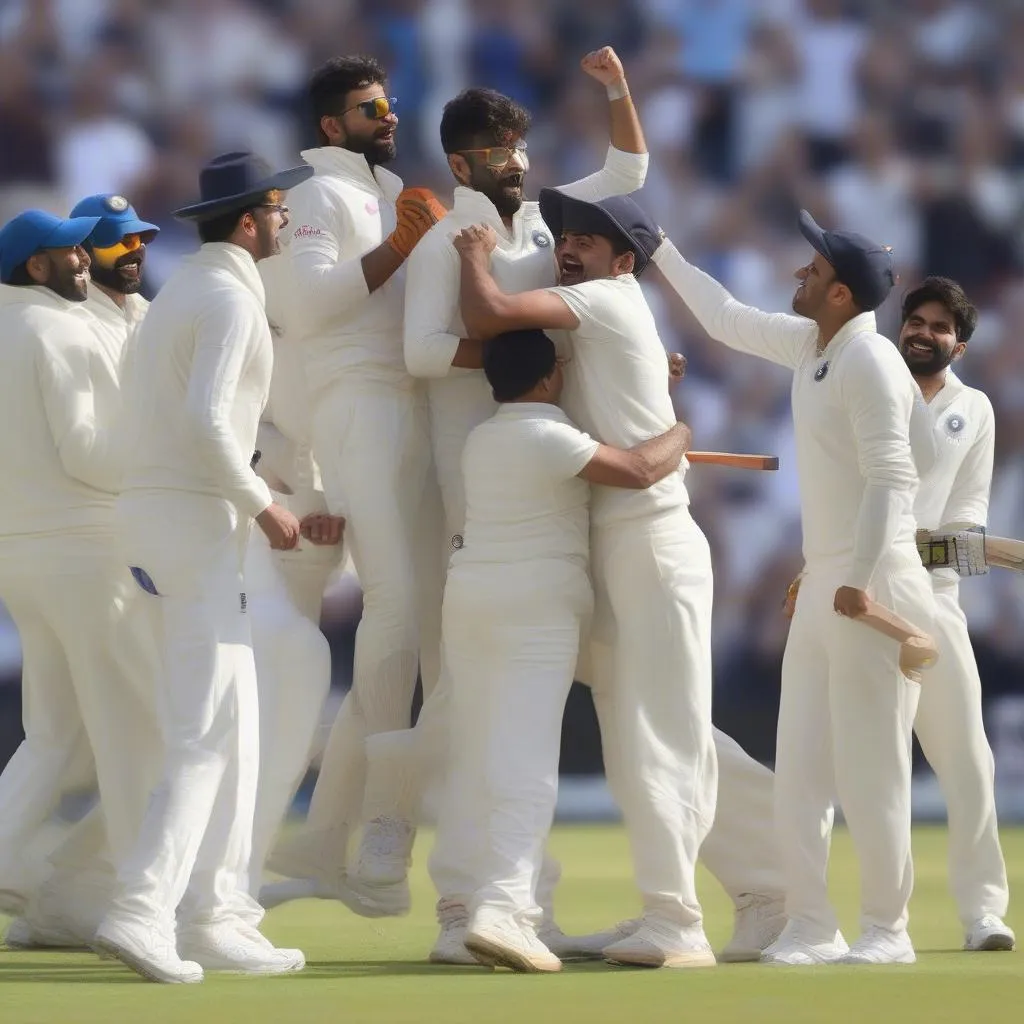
x=104 y=303
x=862 y=323
x=343 y=163
x=475 y=208
x=234 y=259
x=531 y=411
x=950 y=391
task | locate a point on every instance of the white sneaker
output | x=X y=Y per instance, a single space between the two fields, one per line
x=231 y=947
x=658 y=944
x=758 y=921
x=497 y=939
x=450 y=947
x=142 y=946
x=881 y=946
x=364 y=900
x=385 y=853
x=24 y=934
x=989 y=933
x=584 y=947
x=797 y=947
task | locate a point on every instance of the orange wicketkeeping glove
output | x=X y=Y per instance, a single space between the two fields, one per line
x=418 y=211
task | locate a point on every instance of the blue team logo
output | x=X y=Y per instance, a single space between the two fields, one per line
x=955 y=424
x=541 y=240
x=821 y=372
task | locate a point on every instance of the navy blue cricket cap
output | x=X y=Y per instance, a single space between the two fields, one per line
x=117 y=218
x=34 y=230
x=865 y=267
x=617 y=217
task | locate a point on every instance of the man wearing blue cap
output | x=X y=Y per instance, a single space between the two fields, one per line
x=61 y=578
x=847 y=708
x=189 y=496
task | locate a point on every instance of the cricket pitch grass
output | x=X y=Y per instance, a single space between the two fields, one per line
x=374 y=972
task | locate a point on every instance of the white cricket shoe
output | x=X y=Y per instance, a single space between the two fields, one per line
x=232 y=947
x=385 y=853
x=450 y=947
x=881 y=946
x=23 y=933
x=758 y=921
x=364 y=900
x=497 y=939
x=659 y=944
x=989 y=933
x=142 y=946
x=584 y=947
x=797 y=947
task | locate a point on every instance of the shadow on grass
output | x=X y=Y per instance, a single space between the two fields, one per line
x=14 y=969
x=420 y=968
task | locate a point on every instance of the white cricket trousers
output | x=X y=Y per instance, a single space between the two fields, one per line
x=196 y=837
x=653 y=589
x=844 y=731
x=511 y=641
x=951 y=732
x=370 y=439
x=88 y=666
x=293 y=674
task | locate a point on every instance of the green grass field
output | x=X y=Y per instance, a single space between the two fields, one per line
x=366 y=971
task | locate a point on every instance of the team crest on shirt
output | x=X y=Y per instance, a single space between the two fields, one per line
x=821 y=372
x=541 y=240
x=456 y=541
x=954 y=426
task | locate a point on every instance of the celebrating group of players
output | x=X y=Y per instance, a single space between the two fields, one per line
x=476 y=403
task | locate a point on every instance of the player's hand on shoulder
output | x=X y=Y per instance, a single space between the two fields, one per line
x=417 y=210
x=676 y=368
x=322 y=528
x=477 y=240
x=604 y=65
x=280 y=526
x=851 y=602
x=792 y=591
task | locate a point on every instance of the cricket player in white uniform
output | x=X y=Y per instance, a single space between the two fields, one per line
x=517 y=599
x=199 y=384
x=646 y=552
x=353 y=227
x=938 y=321
x=847 y=710
x=64 y=585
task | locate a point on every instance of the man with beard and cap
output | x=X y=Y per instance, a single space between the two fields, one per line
x=479 y=129
x=847 y=708
x=938 y=321
x=188 y=499
x=86 y=659
x=117 y=250
x=354 y=227
x=653 y=672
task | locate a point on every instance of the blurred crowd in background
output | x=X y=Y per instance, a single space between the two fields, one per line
x=904 y=121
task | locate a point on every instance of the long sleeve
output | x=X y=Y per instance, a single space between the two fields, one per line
x=431 y=296
x=85 y=437
x=969 y=496
x=621 y=174
x=877 y=396
x=223 y=337
x=320 y=283
x=777 y=337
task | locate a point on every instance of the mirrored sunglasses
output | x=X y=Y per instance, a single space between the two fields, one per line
x=376 y=109
x=499 y=157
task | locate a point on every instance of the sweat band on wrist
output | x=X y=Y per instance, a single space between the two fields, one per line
x=617 y=90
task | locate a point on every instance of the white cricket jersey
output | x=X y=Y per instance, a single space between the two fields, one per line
x=852 y=410
x=616 y=387
x=524 y=499
x=60 y=400
x=522 y=261
x=339 y=215
x=200 y=382
x=117 y=327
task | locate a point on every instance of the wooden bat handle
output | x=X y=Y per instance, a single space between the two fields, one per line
x=734 y=460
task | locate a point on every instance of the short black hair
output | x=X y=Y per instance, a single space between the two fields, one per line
x=948 y=293
x=221 y=227
x=480 y=112
x=334 y=80
x=515 y=362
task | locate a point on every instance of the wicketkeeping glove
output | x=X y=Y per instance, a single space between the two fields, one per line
x=418 y=210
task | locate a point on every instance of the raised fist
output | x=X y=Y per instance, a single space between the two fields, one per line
x=604 y=65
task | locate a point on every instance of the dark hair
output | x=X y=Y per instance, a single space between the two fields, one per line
x=333 y=81
x=221 y=227
x=947 y=293
x=480 y=112
x=517 y=361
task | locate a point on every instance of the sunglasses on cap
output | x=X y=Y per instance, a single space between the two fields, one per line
x=376 y=109
x=497 y=158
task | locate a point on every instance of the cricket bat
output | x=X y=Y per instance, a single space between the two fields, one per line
x=734 y=460
x=1004 y=552
x=917 y=648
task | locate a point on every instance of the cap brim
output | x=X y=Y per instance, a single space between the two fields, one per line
x=72 y=231
x=814 y=234
x=110 y=234
x=282 y=181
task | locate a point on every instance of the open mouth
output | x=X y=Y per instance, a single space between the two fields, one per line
x=387 y=135
x=512 y=182
x=919 y=348
x=570 y=269
x=130 y=270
